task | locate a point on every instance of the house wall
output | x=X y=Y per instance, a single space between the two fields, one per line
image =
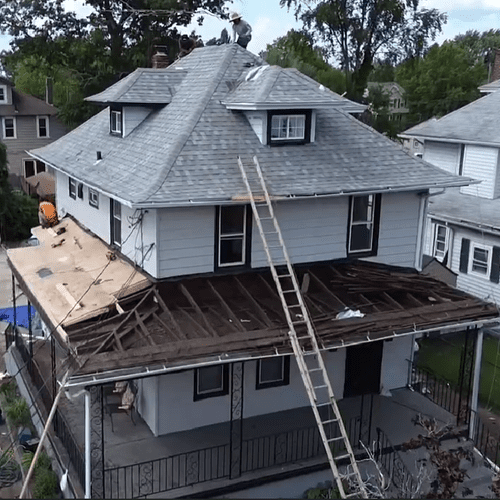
x=399 y=228
x=132 y=117
x=26 y=139
x=258 y=122
x=475 y=284
x=480 y=163
x=497 y=180
x=394 y=362
x=147 y=402
x=443 y=155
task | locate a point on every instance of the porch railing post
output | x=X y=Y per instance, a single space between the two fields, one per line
x=97 y=442
x=14 y=303
x=236 y=431
x=473 y=420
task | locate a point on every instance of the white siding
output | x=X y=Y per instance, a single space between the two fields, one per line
x=394 y=363
x=313 y=230
x=397 y=244
x=186 y=241
x=258 y=122
x=147 y=403
x=496 y=194
x=480 y=163
x=132 y=117
x=477 y=285
x=443 y=155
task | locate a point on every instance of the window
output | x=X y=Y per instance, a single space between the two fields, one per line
x=42 y=126
x=480 y=259
x=9 y=128
x=116 y=223
x=441 y=238
x=93 y=198
x=32 y=167
x=233 y=222
x=80 y=190
x=289 y=128
x=116 y=122
x=72 y=188
x=211 y=381
x=3 y=94
x=364 y=217
x=273 y=372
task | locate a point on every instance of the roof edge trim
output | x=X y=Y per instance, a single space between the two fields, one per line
x=444 y=139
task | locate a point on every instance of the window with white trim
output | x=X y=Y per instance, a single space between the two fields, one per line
x=441 y=241
x=42 y=126
x=116 y=122
x=232 y=235
x=480 y=259
x=9 y=127
x=93 y=198
x=286 y=127
x=211 y=381
x=116 y=223
x=363 y=224
x=72 y=188
x=3 y=94
x=273 y=372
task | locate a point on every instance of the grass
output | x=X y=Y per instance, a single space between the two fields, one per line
x=442 y=357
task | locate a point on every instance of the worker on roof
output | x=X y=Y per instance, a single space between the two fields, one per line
x=242 y=31
x=47 y=214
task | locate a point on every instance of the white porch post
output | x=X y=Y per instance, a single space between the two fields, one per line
x=475 y=383
x=87 y=446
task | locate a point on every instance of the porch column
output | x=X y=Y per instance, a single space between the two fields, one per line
x=30 y=331
x=465 y=375
x=96 y=442
x=236 y=433
x=475 y=384
x=88 y=479
x=14 y=304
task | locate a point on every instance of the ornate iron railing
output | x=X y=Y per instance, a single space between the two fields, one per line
x=487 y=442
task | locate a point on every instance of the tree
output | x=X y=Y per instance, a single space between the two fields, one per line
x=296 y=50
x=444 y=80
x=356 y=32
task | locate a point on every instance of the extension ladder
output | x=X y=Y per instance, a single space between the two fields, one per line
x=302 y=336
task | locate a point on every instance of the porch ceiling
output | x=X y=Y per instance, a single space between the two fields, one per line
x=197 y=318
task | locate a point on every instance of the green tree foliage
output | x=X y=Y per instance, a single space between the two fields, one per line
x=444 y=80
x=84 y=56
x=18 y=212
x=480 y=46
x=356 y=32
x=380 y=116
x=296 y=50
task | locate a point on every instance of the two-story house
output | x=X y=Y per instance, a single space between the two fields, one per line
x=398 y=108
x=159 y=286
x=27 y=123
x=463 y=223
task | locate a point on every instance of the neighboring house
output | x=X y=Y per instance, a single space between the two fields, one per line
x=160 y=279
x=398 y=107
x=463 y=224
x=27 y=123
x=494 y=76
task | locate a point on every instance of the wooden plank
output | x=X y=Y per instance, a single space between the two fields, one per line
x=229 y=311
x=393 y=301
x=166 y=327
x=198 y=310
x=368 y=302
x=144 y=329
x=190 y=318
x=414 y=299
x=326 y=289
x=262 y=314
x=166 y=310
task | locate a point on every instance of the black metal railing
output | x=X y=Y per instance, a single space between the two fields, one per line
x=487 y=442
x=440 y=391
x=390 y=459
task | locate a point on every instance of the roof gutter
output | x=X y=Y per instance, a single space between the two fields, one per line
x=493 y=230
x=145 y=372
x=450 y=141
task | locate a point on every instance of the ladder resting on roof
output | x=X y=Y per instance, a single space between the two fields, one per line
x=302 y=335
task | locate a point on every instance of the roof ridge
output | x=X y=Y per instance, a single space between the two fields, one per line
x=268 y=86
x=183 y=136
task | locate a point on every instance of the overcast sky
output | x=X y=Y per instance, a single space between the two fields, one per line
x=269 y=21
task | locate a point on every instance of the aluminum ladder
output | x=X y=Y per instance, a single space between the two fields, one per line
x=302 y=336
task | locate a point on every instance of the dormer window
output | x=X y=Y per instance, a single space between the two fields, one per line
x=3 y=94
x=289 y=127
x=116 y=122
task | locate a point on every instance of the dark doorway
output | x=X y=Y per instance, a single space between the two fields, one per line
x=362 y=369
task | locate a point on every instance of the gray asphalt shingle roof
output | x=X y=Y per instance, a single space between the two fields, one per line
x=490 y=87
x=26 y=105
x=187 y=150
x=477 y=122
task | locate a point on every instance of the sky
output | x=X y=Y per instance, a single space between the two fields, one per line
x=269 y=21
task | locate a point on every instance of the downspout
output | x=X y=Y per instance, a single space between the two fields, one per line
x=475 y=384
x=87 y=446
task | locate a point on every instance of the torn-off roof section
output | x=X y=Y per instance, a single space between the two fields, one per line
x=143 y=86
x=273 y=87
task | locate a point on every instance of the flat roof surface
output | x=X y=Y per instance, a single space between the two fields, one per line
x=65 y=268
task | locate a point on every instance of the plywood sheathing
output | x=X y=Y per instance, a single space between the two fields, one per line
x=219 y=315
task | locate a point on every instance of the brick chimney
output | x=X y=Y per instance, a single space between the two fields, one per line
x=160 y=58
x=495 y=72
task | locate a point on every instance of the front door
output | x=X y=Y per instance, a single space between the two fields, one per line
x=362 y=369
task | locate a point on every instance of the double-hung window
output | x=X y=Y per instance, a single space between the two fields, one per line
x=292 y=127
x=72 y=188
x=42 y=126
x=116 y=223
x=364 y=214
x=273 y=372
x=232 y=235
x=480 y=259
x=211 y=381
x=9 y=127
x=441 y=238
x=93 y=198
x=3 y=94
x=116 y=122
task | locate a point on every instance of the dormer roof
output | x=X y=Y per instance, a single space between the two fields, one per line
x=143 y=86
x=272 y=87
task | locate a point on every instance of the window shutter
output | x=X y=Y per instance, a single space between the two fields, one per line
x=495 y=265
x=464 y=255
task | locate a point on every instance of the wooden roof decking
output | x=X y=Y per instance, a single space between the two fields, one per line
x=203 y=317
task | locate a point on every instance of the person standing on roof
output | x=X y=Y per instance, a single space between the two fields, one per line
x=47 y=214
x=242 y=31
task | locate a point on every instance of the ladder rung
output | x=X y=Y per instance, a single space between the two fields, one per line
x=289 y=291
x=304 y=337
x=284 y=275
x=315 y=369
x=329 y=421
x=341 y=457
x=324 y=404
x=331 y=440
x=319 y=386
x=353 y=495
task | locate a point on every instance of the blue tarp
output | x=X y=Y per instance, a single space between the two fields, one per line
x=7 y=315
